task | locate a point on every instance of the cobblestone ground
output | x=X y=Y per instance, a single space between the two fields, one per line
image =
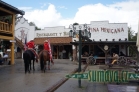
x=13 y=78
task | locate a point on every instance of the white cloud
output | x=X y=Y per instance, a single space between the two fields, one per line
x=120 y=12
x=62 y=7
x=44 y=18
x=25 y=8
x=110 y=12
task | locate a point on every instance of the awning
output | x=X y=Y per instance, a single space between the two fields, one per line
x=106 y=42
x=54 y=40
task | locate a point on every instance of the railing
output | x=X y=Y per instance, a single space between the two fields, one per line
x=5 y=27
x=19 y=43
x=122 y=60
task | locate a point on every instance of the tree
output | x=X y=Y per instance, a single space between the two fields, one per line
x=33 y=24
x=132 y=36
x=75 y=23
x=36 y=28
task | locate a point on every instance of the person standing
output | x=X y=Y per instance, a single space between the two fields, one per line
x=64 y=54
x=108 y=59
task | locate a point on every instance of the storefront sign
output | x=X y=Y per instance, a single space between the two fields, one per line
x=12 y=41
x=107 y=30
x=52 y=34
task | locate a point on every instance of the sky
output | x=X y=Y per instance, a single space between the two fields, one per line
x=52 y=13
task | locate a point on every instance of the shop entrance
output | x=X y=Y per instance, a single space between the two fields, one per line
x=68 y=51
x=85 y=48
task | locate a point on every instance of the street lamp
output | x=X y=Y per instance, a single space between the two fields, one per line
x=84 y=34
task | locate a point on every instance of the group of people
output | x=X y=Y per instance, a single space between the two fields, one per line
x=31 y=45
x=5 y=20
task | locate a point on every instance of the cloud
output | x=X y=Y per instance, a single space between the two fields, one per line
x=62 y=7
x=119 y=12
x=44 y=18
x=115 y=13
x=25 y=8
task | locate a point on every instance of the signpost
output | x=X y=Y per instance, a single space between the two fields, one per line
x=133 y=76
x=81 y=76
x=106 y=76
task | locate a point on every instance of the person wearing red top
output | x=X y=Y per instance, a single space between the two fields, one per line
x=30 y=44
x=46 y=46
x=31 y=47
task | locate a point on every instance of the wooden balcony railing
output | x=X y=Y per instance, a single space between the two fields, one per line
x=5 y=27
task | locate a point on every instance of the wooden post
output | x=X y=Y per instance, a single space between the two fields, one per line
x=57 y=52
x=12 y=43
x=137 y=57
x=106 y=57
x=12 y=53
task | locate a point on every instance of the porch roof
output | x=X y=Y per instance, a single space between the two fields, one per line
x=11 y=8
x=54 y=40
x=107 y=42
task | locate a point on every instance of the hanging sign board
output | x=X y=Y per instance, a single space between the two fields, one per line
x=12 y=41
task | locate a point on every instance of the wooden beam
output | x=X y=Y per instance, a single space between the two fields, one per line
x=13 y=22
x=100 y=48
x=10 y=12
x=6 y=32
x=6 y=37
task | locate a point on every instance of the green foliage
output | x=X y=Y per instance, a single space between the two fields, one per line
x=132 y=36
x=36 y=28
x=75 y=23
x=33 y=24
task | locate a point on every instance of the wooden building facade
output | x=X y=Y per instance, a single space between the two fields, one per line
x=8 y=14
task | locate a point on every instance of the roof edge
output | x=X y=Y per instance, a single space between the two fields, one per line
x=12 y=7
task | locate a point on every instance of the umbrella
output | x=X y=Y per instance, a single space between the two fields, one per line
x=137 y=43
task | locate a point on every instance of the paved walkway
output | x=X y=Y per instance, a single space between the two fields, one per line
x=13 y=78
x=16 y=80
